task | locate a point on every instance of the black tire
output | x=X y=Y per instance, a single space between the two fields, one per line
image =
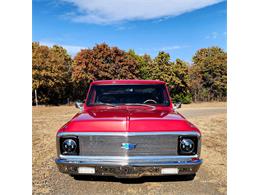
x=77 y=177
x=189 y=177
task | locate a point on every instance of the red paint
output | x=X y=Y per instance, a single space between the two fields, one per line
x=194 y=159
x=128 y=118
x=127 y=82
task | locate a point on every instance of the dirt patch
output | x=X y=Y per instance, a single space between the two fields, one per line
x=206 y=105
x=211 y=178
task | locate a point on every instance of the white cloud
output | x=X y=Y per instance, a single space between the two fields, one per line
x=125 y=27
x=74 y=49
x=165 y=48
x=114 y=11
x=216 y=35
x=169 y=48
x=212 y=35
x=71 y=49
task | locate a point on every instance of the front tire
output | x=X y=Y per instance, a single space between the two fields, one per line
x=189 y=177
x=77 y=177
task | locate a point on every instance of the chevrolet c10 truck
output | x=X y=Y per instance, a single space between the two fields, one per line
x=128 y=129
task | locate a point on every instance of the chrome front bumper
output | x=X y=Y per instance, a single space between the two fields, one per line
x=128 y=167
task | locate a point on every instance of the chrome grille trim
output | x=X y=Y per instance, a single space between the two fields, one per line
x=136 y=160
x=195 y=133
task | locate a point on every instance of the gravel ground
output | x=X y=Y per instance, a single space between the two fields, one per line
x=210 y=179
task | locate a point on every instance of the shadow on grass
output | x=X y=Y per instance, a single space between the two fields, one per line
x=140 y=180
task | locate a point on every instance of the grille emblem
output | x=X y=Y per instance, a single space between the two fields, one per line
x=128 y=146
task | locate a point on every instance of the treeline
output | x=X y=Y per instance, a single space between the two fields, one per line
x=57 y=78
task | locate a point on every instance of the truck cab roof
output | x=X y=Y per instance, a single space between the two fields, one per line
x=126 y=82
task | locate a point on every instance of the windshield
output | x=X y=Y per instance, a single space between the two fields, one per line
x=128 y=94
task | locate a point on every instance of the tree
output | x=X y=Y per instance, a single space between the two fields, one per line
x=144 y=63
x=57 y=77
x=50 y=73
x=102 y=62
x=210 y=71
x=181 y=89
x=196 y=84
x=40 y=71
x=174 y=74
x=61 y=74
x=162 y=68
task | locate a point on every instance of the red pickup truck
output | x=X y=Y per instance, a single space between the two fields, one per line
x=128 y=128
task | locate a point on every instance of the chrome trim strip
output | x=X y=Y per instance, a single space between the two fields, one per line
x=127 y=160
x=101 y=158
x=128 y=133
x=133 y=163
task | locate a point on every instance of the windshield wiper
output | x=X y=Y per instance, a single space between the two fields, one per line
x=127 y=104
x=105 y=104
x=139 y=104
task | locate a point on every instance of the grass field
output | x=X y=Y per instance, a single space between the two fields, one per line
x=210 y=118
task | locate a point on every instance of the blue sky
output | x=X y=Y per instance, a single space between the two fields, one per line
x=148 y=26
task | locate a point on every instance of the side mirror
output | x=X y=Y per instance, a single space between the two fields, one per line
x=79 y=104
x=177 y=105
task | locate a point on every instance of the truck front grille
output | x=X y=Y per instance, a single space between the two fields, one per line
x=146 y=145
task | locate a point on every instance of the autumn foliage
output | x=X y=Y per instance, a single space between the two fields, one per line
x=101 y=62
x=51 y=73
x=209 y=75
x=57 y=78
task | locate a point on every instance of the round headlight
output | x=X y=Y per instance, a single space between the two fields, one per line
x=187 y=146
x=69 y=145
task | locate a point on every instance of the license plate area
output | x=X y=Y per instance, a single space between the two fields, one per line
x=128 y=171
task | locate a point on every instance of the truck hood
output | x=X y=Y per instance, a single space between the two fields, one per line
x=128 y=120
